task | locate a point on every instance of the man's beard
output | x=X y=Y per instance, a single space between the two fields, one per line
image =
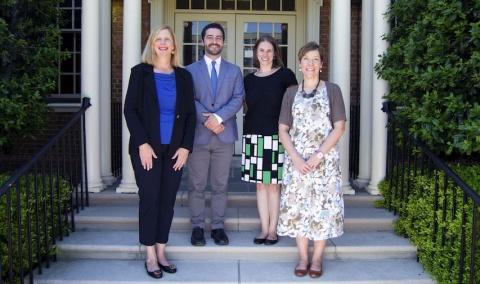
x=212 y=51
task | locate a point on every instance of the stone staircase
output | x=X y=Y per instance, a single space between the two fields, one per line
x=105 y=248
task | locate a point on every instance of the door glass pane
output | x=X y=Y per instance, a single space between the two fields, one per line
x=187 y=32
x=213 y=4
x=273 y=5
x=228 y=4
x=281 y=33
x=188 y=54
x=288 y=5
x=198 y=4
x=284 y=33
x=248 y=56
x=250 y=33
x=182 y=4
x=243 y=4
x=258 y=5
x=284 y=54
x=265 y=29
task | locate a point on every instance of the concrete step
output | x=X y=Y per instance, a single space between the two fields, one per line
x=193 y=272
x=125 y=217
x=124 y=245
x=235 y=199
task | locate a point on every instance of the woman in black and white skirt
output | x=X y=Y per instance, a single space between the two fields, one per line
x=262 y=152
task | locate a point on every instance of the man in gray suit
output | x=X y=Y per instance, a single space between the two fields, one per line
x=218 y=97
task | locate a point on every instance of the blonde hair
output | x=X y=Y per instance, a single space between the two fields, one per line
x=149 y=55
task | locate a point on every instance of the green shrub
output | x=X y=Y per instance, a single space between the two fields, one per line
x=29 y=56
x=433 y=69
x=416 y=221
x=47 y=248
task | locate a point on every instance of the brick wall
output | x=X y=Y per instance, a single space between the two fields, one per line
x=325 y=36
x=22 y=150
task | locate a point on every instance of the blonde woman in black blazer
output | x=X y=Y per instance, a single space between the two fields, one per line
x=160 y=115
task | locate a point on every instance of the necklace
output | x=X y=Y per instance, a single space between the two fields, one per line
x=312 y=93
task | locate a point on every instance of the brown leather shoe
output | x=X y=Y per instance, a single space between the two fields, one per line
x=315 y=273
x=301 y=272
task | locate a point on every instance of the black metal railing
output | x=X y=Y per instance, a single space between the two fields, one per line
x=354 y=140
x=38 y=202
x=415 y=175
x=116 y=139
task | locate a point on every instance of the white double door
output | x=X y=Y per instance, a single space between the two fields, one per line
x=241 y=32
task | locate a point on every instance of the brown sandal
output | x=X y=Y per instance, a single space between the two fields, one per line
x=301 y=272
x=315 y=273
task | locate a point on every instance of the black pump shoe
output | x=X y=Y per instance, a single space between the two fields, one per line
x=259 y=241
x=157 y=274
x=168 y=268
x=270 y=242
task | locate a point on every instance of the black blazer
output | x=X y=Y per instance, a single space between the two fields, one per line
x=142 y=112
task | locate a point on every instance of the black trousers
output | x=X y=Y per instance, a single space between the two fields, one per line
x=157 y=189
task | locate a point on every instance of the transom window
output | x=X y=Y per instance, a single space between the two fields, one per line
x=244 y=5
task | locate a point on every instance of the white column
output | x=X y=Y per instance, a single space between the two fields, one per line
x=90 y=88
x=380 y=88
x=313 y=20
x=156 y=14
x=366 y=95
x=340 y=74
x=105 y=92
x=132 y=20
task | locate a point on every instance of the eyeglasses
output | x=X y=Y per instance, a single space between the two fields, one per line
x=312 y=93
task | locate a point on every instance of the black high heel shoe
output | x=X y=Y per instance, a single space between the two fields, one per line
x=259 y=241
x=157 y=274
x=168 y=268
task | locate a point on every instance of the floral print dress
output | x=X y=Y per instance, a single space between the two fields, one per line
x=311 y=205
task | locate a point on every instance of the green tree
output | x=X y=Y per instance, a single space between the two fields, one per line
x=29 y=56
x=433 y=68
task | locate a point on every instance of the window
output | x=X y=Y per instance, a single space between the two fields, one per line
x=245 y=5
x=68 y=82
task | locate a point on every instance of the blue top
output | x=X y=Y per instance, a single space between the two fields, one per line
x=167 y=97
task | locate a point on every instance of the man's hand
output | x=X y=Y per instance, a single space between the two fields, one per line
x=213 y=124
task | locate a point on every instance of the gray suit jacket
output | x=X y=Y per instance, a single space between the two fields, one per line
x=226 y=103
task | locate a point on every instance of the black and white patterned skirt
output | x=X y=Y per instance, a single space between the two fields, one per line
x=262 y=159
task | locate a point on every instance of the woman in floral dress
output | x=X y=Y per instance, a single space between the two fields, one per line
x=312 y=120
